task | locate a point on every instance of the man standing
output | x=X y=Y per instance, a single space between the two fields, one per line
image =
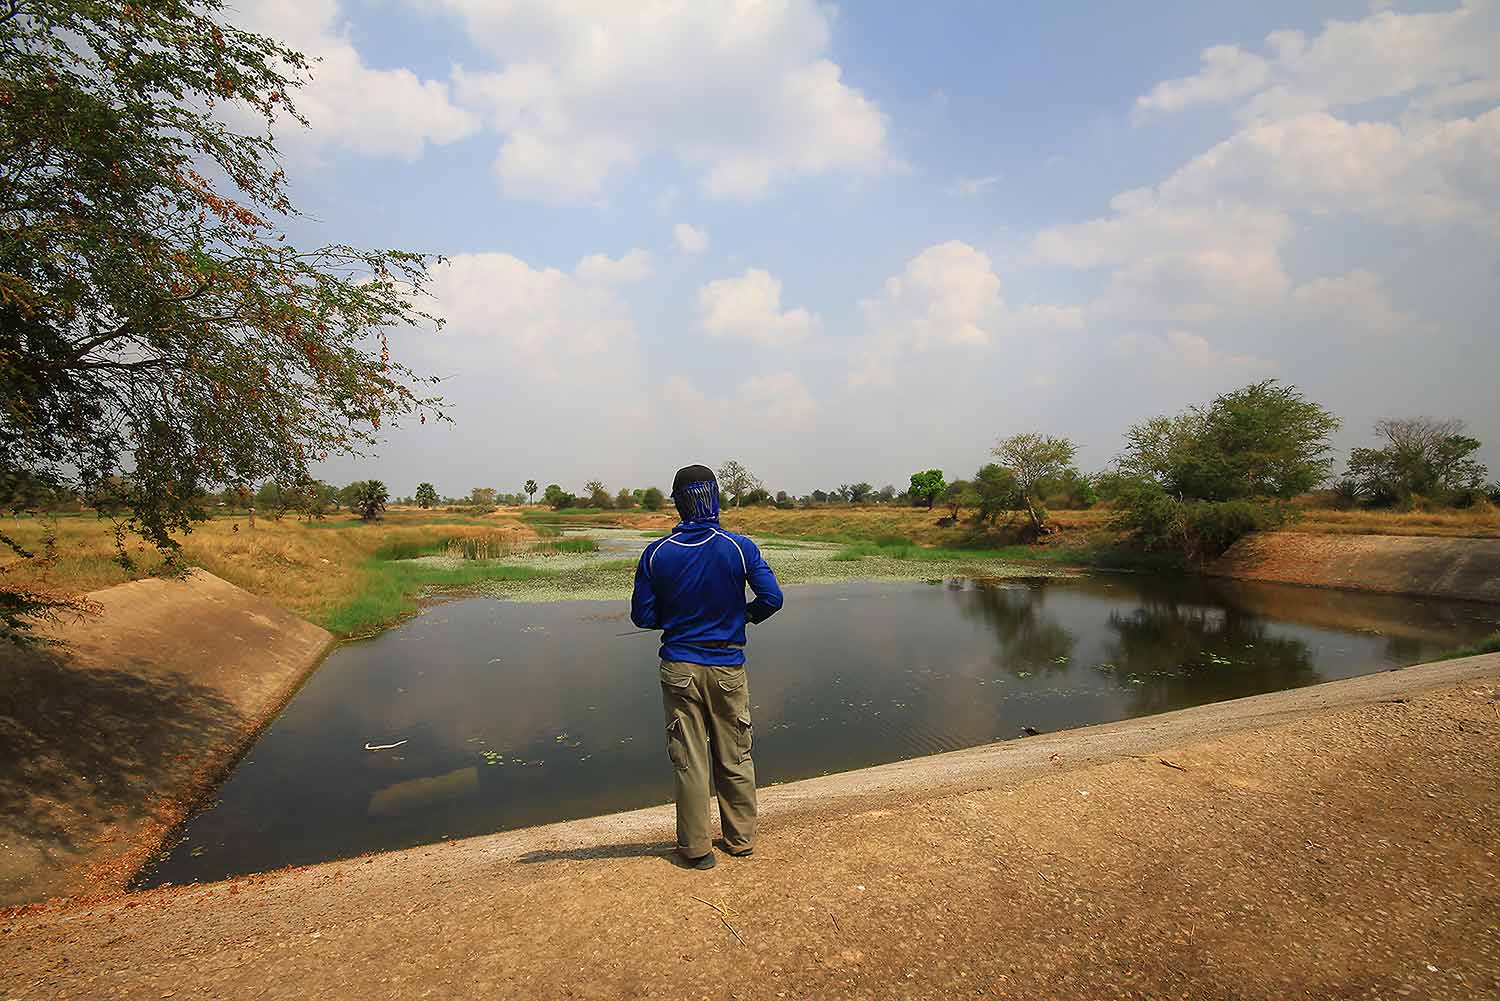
x=691 y=585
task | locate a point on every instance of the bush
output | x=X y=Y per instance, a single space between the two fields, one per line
x=1201 y=530
x=652 y=499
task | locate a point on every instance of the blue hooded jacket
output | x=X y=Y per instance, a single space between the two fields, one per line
x=691 y=585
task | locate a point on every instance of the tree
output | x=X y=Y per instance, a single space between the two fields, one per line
x=370 y=500
x=1031 y=458
x=427 y=495
x=886 y=494
x=482 y=497
x=758 y=496
x=625 y=500
x=996 y=491
x=530 y=489
x=557 y=497
x=820 y=496
x=653 y=499
x=956 y=495
x=598 y=495
x=153 y=319
x=1422 y=457
x=926 y=487
x=1262 y=441
x=735 y=480
x=348 y=495
x=859 y=492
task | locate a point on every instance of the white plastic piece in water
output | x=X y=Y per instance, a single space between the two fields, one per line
x=384 y=747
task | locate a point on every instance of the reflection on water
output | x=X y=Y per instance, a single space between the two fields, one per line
x=518 y=714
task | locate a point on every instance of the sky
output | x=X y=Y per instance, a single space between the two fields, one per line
x=844 y=243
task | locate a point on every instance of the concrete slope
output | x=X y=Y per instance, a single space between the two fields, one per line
x=1336 y=841
x=110 y=736
x=1396 y=564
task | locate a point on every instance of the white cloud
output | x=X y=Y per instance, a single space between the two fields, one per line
x=741 y=91
x=1348 y=63
x=632 y=266
x=1354 y=304
x=373 y=111
x=1228 y=72
x=749 y=307
x=1208 y=244
x=967 y=187
x=690 y=239
x=947 y=294
x=1177 y=352
x=1420 y=171
x=778 y=398
x=557 y=326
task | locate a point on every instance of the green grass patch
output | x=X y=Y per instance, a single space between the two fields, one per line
x=1490 y=644
x=390 y=589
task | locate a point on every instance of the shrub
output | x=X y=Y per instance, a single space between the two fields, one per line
x=1200 y=530
x=652 y=499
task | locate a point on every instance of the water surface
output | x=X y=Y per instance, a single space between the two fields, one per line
x=516 y=714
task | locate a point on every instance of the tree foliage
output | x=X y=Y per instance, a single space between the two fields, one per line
x=996 y=492
x=1421 y=457
x=653 y=499
x=530 y=489
x=426 y=496
x=1031 y=459
x=736 y=481
x=370 y=498
x=1265 y=440
x=558 y=498
x=927 y=486
x=153 y=319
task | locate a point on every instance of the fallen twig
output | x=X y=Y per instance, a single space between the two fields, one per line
x=1172 y=764
x=835 y=919
x=721 y=917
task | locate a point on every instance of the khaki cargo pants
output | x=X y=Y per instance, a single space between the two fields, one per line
x=708 y=739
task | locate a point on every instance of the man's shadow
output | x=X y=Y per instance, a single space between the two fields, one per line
x=664 y=850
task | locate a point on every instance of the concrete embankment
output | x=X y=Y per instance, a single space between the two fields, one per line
x=1467 y=569
x=110 y=736
x=1337 y=841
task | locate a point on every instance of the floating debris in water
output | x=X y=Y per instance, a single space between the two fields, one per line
x=384 y=747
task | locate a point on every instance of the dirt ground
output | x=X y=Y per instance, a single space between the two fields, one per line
x=1331 y=842
x=1439 y=568
x=107 y=742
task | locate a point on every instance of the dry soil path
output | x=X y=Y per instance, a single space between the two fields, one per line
x=1334 y=842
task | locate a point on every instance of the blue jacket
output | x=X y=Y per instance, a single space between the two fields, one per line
x=691 y=585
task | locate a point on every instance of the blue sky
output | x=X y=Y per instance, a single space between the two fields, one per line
x=845 y=243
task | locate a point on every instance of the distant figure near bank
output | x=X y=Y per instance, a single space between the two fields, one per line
x=691 y=585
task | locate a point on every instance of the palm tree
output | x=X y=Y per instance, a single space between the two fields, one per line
x=530 y=491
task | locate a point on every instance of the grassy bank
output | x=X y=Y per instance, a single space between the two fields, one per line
x=389 y=589
x=337 y=572
x=1490 y=644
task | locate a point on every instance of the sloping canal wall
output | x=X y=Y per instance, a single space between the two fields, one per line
x=110 y=736
x=1466 y=569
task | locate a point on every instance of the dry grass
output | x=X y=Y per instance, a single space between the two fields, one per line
x=312 y=568
x=1476 y=522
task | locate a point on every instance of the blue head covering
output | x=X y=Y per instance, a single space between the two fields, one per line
x=696 y=494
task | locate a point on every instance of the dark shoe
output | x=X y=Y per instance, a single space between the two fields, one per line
x=701 y=862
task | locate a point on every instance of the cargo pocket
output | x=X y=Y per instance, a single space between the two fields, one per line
x=745 y=732
x=677 y=744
